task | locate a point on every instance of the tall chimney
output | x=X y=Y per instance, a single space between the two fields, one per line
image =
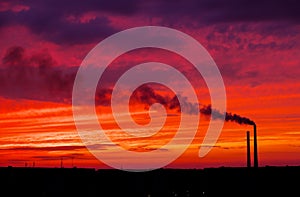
x=255 y=147
x=248 y=150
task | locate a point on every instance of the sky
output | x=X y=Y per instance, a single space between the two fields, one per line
x=255 y=45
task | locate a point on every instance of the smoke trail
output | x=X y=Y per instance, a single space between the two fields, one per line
x=215 y=114
x=238 y=119
x=147 y=95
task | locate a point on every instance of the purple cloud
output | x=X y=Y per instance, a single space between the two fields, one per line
x=35 y=76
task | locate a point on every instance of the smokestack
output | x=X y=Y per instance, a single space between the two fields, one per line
x=248 y=150
x=255 y=147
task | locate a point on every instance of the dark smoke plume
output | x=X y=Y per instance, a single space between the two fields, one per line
x=207 y=110
x=148 y=96
x=238 y=119
x=145 y=94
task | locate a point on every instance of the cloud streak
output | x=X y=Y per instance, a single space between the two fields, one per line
x=50 y=148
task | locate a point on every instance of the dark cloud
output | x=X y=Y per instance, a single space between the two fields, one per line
x=35 y=76
x=77 y=7
x=55 y=27
x=38 y=76
x=211 y=11
x=49 y=19
x=62 y=32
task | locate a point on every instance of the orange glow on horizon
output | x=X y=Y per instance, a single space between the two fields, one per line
x=45 y=133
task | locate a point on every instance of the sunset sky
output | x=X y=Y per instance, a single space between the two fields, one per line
x=255 y=44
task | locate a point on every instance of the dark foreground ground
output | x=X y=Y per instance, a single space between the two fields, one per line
x=265 y=181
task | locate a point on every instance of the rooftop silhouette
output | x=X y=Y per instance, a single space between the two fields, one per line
x=223 y=181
